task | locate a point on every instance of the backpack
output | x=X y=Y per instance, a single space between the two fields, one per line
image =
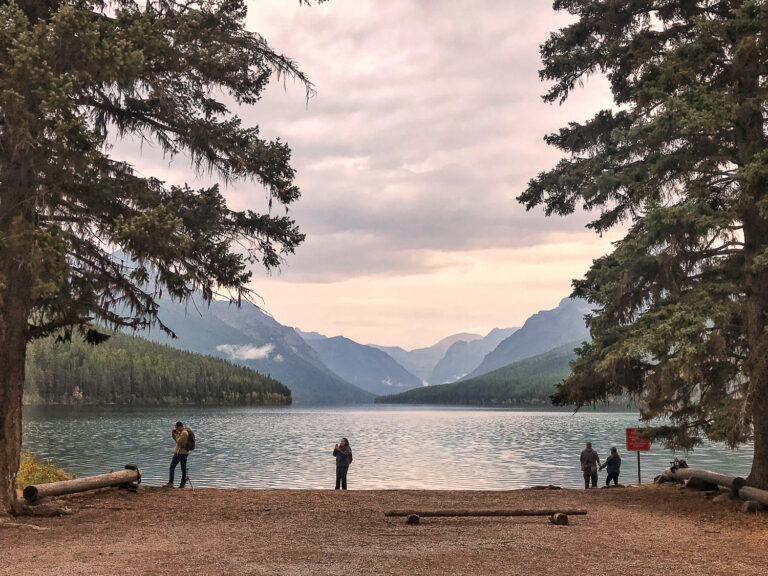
x=190 y=440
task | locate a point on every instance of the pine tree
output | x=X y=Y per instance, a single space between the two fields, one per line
x=681 y=304
x=73 y=75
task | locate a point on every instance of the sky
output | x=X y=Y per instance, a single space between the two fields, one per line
x=426 y=124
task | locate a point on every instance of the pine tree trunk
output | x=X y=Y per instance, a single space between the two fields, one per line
x=17 y=254
x=756 y=365
x=758 y=476
x=12 y=353
x=755 y=318
x=14 y=312
x=750 y=143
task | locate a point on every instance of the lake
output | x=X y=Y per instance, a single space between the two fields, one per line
x=393 y=447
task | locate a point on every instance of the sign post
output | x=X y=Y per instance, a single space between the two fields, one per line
x=634 y=442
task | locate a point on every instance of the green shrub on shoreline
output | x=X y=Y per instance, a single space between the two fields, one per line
x=35 y=471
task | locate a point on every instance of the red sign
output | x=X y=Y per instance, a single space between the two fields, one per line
x=636 y=443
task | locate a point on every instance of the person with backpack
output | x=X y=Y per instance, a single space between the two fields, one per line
x=589 y=463
x=185 y=441
x=343 y=453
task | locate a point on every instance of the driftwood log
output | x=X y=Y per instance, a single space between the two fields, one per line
x=559 y=519
x=37 y=492
x=735 y=483
x=755 y=494
x=448 y=513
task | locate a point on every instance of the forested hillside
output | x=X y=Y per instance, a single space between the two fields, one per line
x=129 y=370
x=250 y=337
x=523 y=383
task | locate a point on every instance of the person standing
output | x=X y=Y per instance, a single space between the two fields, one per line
x=589 y=462
x=180 y=435
x=343 y=453
x=612 y=465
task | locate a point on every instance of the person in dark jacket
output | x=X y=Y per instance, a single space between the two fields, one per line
x=589 y=462
x=343 y=453
x=612 y=464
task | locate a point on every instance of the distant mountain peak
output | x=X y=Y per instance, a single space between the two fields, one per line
x=310 y=335
x=543 y=331
x=421 y=361
x=448 y=341
x=367 y=367
x=464 y=356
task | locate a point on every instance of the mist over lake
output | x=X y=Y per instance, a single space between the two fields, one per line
x=393 y=447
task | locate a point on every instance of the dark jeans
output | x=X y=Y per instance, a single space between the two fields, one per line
x=612 y=476
x=341 y=477
x=590 y=473
x=176 y=459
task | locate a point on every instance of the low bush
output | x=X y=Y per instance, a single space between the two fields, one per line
x=35 y=471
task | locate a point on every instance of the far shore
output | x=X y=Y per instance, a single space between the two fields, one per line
x=649 y=530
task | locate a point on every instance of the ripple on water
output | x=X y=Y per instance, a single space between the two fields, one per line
x=393 y=447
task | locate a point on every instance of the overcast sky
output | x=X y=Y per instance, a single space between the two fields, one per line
x=427 y=123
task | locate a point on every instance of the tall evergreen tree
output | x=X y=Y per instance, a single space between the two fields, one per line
x=75 y=73
x=681 y=304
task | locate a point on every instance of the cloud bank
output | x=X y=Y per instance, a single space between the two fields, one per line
x=247 y=352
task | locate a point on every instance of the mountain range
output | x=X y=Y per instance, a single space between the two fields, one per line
x=542 y=332
x=465 y=355
x=526 y=382
x=337 y=370
x=248 y=336
x=364 y=366
x=422 y=361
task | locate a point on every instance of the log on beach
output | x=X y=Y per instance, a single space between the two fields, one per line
x=450 y=513
x=735 y=483
x=37 y=492
x=754 y=494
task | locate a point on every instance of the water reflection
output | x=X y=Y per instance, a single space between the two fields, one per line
x=393 y=447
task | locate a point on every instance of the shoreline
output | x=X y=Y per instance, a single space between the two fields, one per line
x=640 y=531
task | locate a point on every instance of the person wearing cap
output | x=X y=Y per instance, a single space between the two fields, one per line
x=180 y=435
x=589 y=462
x=613 y=465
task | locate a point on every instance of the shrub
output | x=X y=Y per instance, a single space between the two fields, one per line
x=34 y=471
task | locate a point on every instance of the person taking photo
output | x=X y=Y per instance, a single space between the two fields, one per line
x=180 y=435
x=343 y=453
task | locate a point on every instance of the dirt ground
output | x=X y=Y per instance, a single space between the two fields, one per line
x=627 y=532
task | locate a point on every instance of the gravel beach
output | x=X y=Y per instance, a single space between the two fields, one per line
x=650 y=530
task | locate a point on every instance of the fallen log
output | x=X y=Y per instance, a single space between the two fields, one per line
x=750 y=506
x=559 y=519
x=755 y=494
x=16 y=525
x=39 y=491
x=448 y=513
x=734 y=483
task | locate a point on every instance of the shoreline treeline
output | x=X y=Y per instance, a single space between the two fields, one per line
x=130 y=370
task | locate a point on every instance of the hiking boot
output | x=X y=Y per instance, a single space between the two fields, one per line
x=167 y=485
x=183 y=485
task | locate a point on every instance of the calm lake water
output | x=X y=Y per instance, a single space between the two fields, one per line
x=393 y=447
